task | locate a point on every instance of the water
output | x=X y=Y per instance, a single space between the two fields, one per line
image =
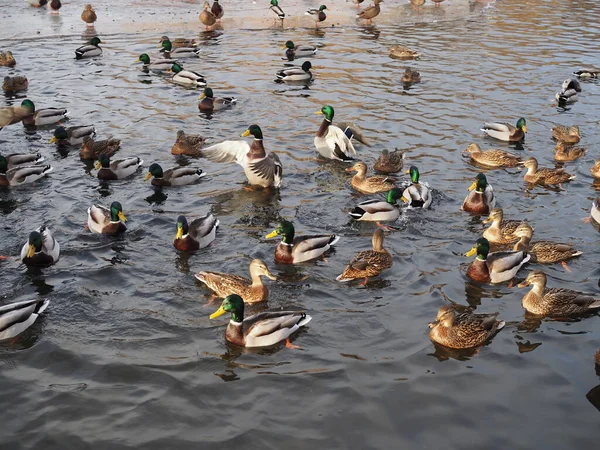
x=126 y=357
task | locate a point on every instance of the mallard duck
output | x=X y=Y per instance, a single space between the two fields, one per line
x=494 y=267
x=17 y=317
x=7 y=59
x=563 y=152
x=411 y=76
x=209 y=103
x=13 y=84
x=501 y=231
x=505 y=131
x=465 y=330
x=207 y=18
x=296 y=249
x=543 y=252
x=89 y=15
x=37 y=3
x=277 y=10
x=12 y=114
x=569 y=135
x=371 y=12
x=251 y=290
x=493 y=157
x=261 y=169
x=331 y=141
x=187 y=77
x=176 y=176
x=91 y=149
x=401 y=52
x=389 y=162
x=158 y=65
x=368 y=263
x=55 y=6
x=198 y=234
x=302 y=73
x=595 y=169
x=41 y=117
x=217 y=10
x=416 y=195
x=293 y=51
x=417 y=3
x=260 y=330
x=481 y=198
x=595 y=211
x=555 y=302
x=569 y=92
x=23 y=175
x=353 y=132
x=590 y=72
x=19 y=160
x=179 y=42
x=105 y=220
x=544 y=176
x=72 y=135
x=41 y=249
x=170 y=52
x=370 y=185
x=188 y=144
x=119 y=169
x=90 y=50
x=597 y=357
x=379 y=210
x=318 y=14
x=357 y=2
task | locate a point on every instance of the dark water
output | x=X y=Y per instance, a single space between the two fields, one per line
x=126 y=357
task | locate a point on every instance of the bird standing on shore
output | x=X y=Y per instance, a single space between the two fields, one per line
x=55 y=6
x=277 y=10
x=217 y=10
x=318 y=14
x=89 y=15
x=371 y=12
x=207 y=18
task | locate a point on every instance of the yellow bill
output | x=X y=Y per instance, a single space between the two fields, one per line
x=473 y=186
x=218 y=312
x=31 y=251
x=202 y=96
x=404 y=199
x=179 y=232
x=319 y=112
x=524 y=129
x=408 y=171
x=97 y=165
x=122 y=217
x=471 y=252
x=53 y=140
x=272 y=234
x=148 y=176
x=246 y=133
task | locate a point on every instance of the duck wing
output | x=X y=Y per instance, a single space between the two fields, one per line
x=202 y=226
x=269 y=168
x=227 y=151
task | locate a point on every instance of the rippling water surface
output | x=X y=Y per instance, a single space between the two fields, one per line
x=126 y=357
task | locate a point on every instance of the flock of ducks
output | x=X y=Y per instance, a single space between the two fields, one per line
x=511 y=239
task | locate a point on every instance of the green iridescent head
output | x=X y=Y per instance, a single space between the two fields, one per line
x=306 y=66
x=414 y=174
x=144 y=58
x=274 y=3
x=182 y=227
x=95 y=41
x=327 y=111
x=208 y=93
x=154 y=171
x=166 y=45
x=290 y=45
x=480 y=183
x=116 y=212
x=522 y=125
x=253 y=130
x=393 y=195
x=29 y=105
x=35 y=243
x=176 y=68
x=233 y=304
x=481 y=249
x=322 y=7
x=285 y=229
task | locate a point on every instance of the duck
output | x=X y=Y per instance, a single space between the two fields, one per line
x=389 y=162
x=352 y=131
x=465 y=330
x=23 y=175
x=501 y=231
x=89 y=15
x=187 y=77
x=368 y=263
x=416 y=195
x=251 y=290
x=91 y=149
x=55 y=5
x=597 y=357
x=92 y=49
x=318 y=14
x=555 y=302
x=170 y=52
x=14 y=84
x=357 y=2
x=402 y=52
x=188 y=144
x=595 y=169
x=179 y=42
x=217 y=10
x=19 y=160
x=10 y=115
x=595 y=210
x=562 y=152
x=411 y=76
x=302 y=73
x=72 y=135
x=277 y=10
x=41 y=248
x=544 y=177
x=158 y=65
x=417 y=3
x=208 y=102
x=41 y=117
x=18 y=316
x=568 y=135
x=37 y=3
x=371 y=12
x=7 y=59
x=505 y=131
x=260 y=330
x=481 y=198
x=261 y=169
x=199 y=233
x=207 y=18
x=569 y=92
x=493 y=157
x=494 y=267
x=176 y=176
x=331 y=142
x=103 y=220
x=370 y=185
x=119 y=169
x=296 y=249
x=293 y=51
x=378 y=210
x=590 y=72
x=543 y=252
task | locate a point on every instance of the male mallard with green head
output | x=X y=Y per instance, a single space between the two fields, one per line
x=416 y=195
x=481 y=198
x=41 y=248
x=494 y=267
x=296 y=249
x=505 y=131
x=105 y=220
x=198 y=234
x=331 y=141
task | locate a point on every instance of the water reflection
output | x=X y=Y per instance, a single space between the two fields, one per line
x=444 y=353
x=593 y=396
x=157 y=198
x=38 y=281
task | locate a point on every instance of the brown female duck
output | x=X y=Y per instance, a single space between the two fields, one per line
x=368 y=263
x=369 y=185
